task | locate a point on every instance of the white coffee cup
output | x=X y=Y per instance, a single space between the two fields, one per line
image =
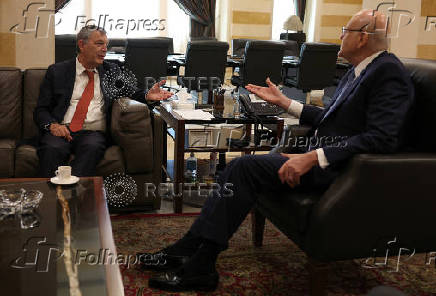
x=63 y=172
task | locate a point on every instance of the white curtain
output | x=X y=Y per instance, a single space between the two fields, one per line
x=127 y=19
x=309 y=20
x=281 y=11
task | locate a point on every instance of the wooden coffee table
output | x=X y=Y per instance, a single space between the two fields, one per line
x=35 y=261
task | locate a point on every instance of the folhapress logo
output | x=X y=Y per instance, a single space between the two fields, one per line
x=36 y=19
x=37 y=254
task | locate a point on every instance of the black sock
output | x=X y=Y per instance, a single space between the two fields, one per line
x=203 y=261
x=186 y=246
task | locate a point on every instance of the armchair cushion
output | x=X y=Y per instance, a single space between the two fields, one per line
x=11 y=84
x=360 y=208
x=32 y=82
x=26 y=161
x=289 y=211
x=7 y=149
x=131 y=129
x=112 y=162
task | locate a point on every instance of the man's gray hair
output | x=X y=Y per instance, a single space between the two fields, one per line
x=85 y=32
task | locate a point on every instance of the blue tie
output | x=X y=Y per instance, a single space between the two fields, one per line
x=347 y=84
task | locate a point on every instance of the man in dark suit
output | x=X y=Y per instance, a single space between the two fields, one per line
x=367 y=115
x=73 y=113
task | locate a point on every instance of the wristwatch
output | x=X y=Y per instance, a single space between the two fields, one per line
x=46 y=126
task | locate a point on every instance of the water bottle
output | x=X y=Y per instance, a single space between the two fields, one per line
x=212 y=163
x=191 y=168
x=236 y=105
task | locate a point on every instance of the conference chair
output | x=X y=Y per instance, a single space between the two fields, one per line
x=172 y=69
x=299 y=37
x=204 y=59
x=169 y=40
x=147 y=57
x=291 y=48
x=65 y=47
x=238 y=47
x=117 y=45
x=203 y=38
x=262 y=59
x=316 y=68
x=377 y=199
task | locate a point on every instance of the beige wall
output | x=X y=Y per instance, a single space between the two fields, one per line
x=251 y=19
x=35 y=48
x=332 y=15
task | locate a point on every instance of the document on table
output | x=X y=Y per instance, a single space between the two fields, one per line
x=196 y=114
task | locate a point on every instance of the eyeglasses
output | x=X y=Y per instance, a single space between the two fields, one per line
x=344 y=30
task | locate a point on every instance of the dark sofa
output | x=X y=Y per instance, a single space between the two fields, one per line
x=137 y=135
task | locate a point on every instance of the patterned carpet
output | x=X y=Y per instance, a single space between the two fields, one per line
x=277 y=268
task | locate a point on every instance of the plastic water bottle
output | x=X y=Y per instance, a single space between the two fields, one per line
x=191 y=168
x=212 y=163
x=236 y=105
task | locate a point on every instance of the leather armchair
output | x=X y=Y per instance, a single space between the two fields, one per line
x=137 y=136
x=262 y=59
x=376 y=199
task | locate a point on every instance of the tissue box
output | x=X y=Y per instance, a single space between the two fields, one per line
x=176 y=104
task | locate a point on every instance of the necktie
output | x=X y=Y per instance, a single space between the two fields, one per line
x=339 y=98
x=82 y=107
x=341 y=92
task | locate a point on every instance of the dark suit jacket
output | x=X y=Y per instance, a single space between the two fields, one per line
x=57 y=88
x=368 y=118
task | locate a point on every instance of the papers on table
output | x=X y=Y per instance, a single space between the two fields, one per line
x=196 y=114
x=256 y=99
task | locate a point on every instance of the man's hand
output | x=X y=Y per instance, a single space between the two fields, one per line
x=270 y=94
x=157 y=94
x=60 y=130
x=296 y=166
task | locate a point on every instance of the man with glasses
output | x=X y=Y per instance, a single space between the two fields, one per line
x=367 y=115
x=73 y=113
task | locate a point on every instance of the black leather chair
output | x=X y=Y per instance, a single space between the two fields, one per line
x=65 y=47
x=147 y=57
x=203 y=38
x=238 y=46
x=299 y=37
x=204 y=59
x=291 y=48
x=117 y=45
x=169 y=40
x=316 y=67
x=262 y=59
x=376 y=199
x=172 y=69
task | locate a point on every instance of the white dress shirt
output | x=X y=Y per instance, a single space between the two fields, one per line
x=295 y=108
x=95 y=118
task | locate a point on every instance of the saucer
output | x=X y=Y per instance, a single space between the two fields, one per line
x=69 y=181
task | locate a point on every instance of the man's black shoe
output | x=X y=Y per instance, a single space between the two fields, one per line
x=160 y=261
x=177 y=282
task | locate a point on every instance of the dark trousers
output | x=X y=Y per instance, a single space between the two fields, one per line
x=87 y=146
x=247 y=177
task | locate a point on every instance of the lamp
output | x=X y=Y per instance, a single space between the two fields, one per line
x=293 y=23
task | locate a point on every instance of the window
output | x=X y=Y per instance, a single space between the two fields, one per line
x=281 y=11
x=127 y=19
